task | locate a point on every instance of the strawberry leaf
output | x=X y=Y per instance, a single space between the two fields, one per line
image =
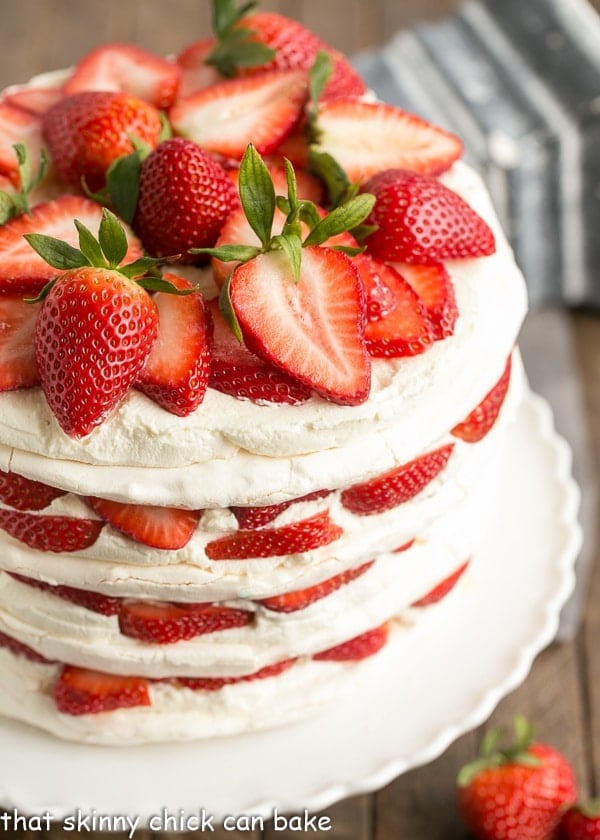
x=328 y=170
x=291 y=245
x=159 y=284
x=341 y=219
x=55 y=252
x=141 y=266
x=318 y=77
x=112 y=239
x=292 y=186
x=226 y=253
x=123 y=183
x=237 y=46
x=257 y=194
x=6 y=207
x=228 y=312
x=89 y=246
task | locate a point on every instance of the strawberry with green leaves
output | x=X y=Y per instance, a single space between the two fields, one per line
x=517 y=792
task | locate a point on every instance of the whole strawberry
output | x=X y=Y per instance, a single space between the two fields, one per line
x=185 y=196
x=87 y=131
x=581 y=822
x=519 y=792
x=96 y=325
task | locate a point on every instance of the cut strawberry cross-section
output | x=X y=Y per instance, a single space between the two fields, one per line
x=18 y=126
x=95 y=601
x=360 y=647
x=434 y=287
x=302 y=598
x=482 y=418
x=442 y=589
x=19 y=649
x=158 y=527
x=165 y=623
x=215 y=683
x=396 y=486
x=82 y=691
x=256 y=517
x=57 y=534
x=24 y=493
x=18 y=367
x=305 y=535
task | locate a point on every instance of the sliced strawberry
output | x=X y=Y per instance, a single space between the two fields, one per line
x=18 y=367
x=312 y=329
x=296 y=538
x=215 y=683
x=302 y=598
x=177 y=370
x=404 y=547
x=103 y=604
x=19 y=649
x=368 y=137
x=164 y=623
x=24 y=493
x=195 y=74
x=127 y=68
x=81 y=691
x=396 y=486
x=442 y=589
x=419 y=220
x=405 y=330
x=380 y=299
x=57 y=534
x=18 y=126
x=294 y=147
x=360 y=647
x=35 y=100
x=482 y=418
x=256 y=517
x=434 y=287
x=238 y=372
x=226 y=117
x=158 y=527
x=22 y=270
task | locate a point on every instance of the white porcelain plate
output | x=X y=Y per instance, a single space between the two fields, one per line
x=424 y=690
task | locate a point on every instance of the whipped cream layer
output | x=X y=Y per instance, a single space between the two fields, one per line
x=232 y=451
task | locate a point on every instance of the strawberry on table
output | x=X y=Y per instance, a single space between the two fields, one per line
x=581 y=822
x=82 y=691
x=23 y=493
x=18 y=367
x=419 y=220
x=159 y=527
x=299 y=599
x=56 y=534
x=360 y=647
x=518 y=792
x=479 y=422
x=164 y=623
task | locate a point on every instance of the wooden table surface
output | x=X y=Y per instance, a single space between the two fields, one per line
x=562 y=693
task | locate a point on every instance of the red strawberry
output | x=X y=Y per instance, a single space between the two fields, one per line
x=368 y=137
x=17 y=126
x=397 y=485
x=184 y=199
x=442 y=589
x=581 y=822
x=482 y=418
x=312 y=329
x=164 y=624
x=267 y=108
x=434 y=287
x=195 y=74
x=215 y=683
x=18 y=368
x=405 y=330
x=22 y=270
x=103 y=604
x=305 y=535
x=128 y=69
x=57 y=534
x=519 y=792
x=344 y=80
x=380 y=299
x=35 y=100
x=360 y=647
x=92 y=338
x=238 y=372
x=87 y=131
x=24 y=493
x=159 y=527
x=177 y=370
x=294 y=147
x=256 y=517
x=421 y=221
x=81 y=691
x=302 y=598
x=19 y=649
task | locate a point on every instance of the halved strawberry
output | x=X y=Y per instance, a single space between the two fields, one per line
x=158 y=527
x=57 y=534
x=227 y=116
x=305 y=535
x=312 y=329
x=18 y=126
x=302 y=598
x=360 y=647
x=215 y=683
x=127 y=68
x=368 y=137
x=163 y=623
x=95 y=601
x=195 y=73
x=294 y=147
x=482 y=418
x=35 y=100
x=404 y=329
x=18 y=367
x=398 y=485
x=24 y=493
x=256 y=517
x=380 y=299
x=442 y=589
x=81 y=691
x=22 y=270
x=434 y=287
x=238 y=372
x=19 y=649
x=419 y=220
x=177 y=370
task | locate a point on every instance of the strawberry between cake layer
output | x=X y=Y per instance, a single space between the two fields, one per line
x=216 y=456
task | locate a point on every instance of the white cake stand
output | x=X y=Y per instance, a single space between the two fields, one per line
x=423 y=691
